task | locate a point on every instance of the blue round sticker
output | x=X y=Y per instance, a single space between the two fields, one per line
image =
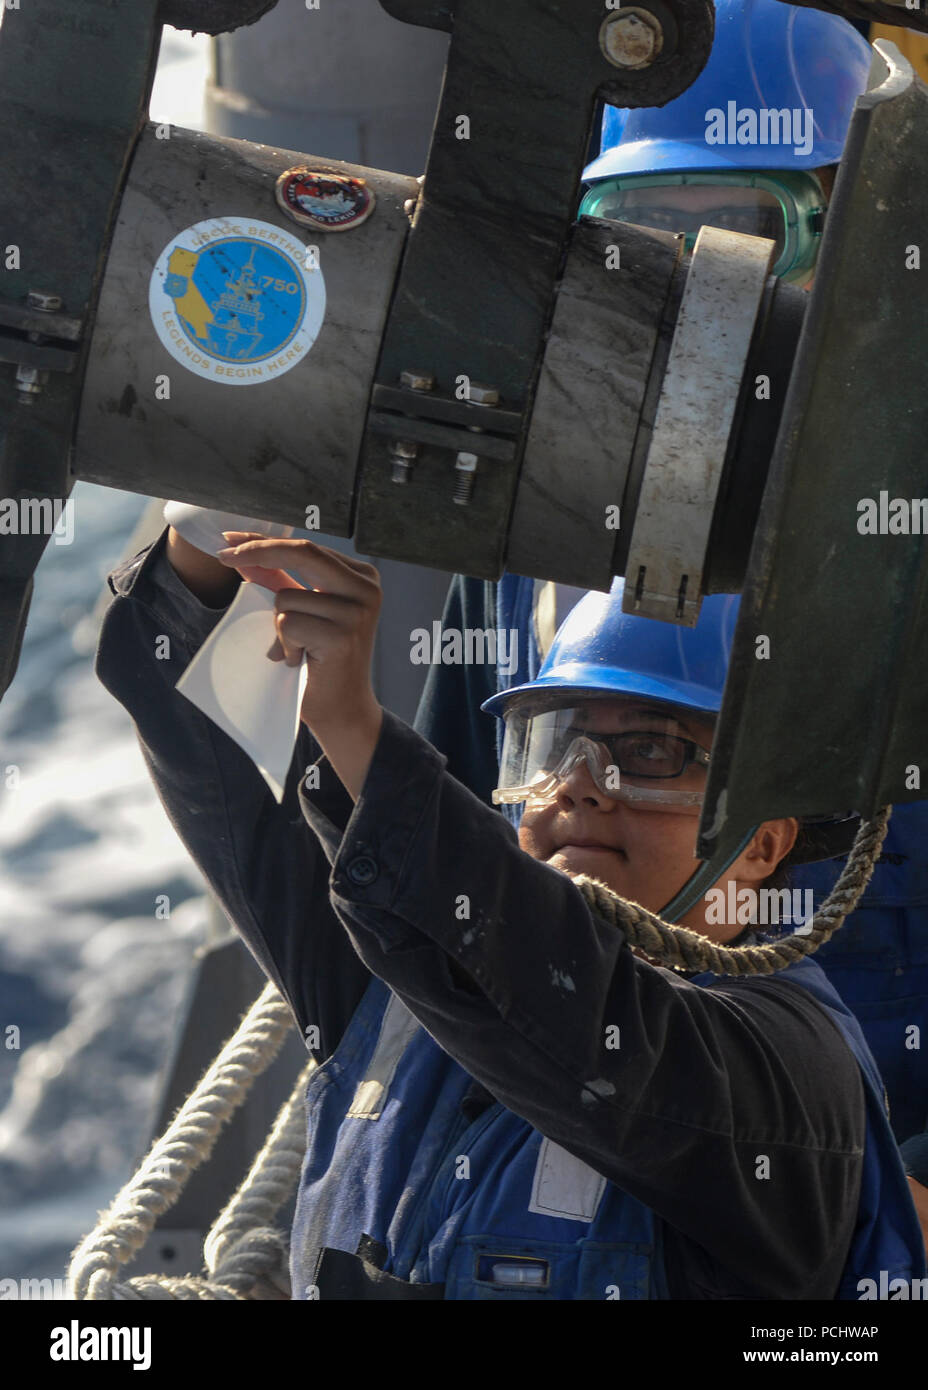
x=237 y=302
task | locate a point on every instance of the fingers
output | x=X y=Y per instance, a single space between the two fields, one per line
x=308 y=619
x=275 y=580
x=317 y=564
x=342 y=600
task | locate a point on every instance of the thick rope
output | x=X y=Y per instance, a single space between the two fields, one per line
x=188 y=1141
x=686 y=950
x=241 y=1232
x=245 y=1257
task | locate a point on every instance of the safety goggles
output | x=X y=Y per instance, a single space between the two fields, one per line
x=641 y=761
x=786 y=206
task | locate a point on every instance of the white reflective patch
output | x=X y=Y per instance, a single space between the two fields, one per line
x=564 y=1185
x=396 y=1031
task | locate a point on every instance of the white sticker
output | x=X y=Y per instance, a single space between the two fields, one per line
x=236 y=301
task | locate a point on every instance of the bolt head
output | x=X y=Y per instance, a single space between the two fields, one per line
x=38 y=299
x=417 y=381
x=466 y=463
x=631 y=38
x=480 y=394
x=403 y=449
x=28 y=379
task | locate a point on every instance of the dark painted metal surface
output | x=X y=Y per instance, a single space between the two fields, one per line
x=476 y=288
x=212 y=16
x=833 y=719
x=269 y=449
x=74 y=85
x=754 y=432
x=598 y=359
x=432 y=14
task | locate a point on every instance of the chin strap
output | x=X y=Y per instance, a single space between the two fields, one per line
x=701 y=880
x=691 y=952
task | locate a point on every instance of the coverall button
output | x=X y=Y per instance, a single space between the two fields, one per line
x=362 y=870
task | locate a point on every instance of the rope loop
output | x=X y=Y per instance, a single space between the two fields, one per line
x=688 y=951
x=187 y=1143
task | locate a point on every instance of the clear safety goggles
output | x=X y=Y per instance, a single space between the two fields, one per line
x=786 y=206
x=641 y=761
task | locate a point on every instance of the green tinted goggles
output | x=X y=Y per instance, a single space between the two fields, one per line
x=787 y=206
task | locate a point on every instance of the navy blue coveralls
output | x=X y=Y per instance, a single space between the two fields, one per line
x=470 y=1134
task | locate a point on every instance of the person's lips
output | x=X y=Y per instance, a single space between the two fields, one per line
x=588 y=845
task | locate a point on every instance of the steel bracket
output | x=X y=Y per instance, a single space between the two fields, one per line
x=826 y=705
x=476 y=289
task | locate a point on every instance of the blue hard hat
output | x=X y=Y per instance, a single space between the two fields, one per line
x=766 y=55
x=599 y=649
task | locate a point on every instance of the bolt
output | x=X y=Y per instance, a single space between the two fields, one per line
x=631 y=37
x=48 y=303
x=402 y=456
x=465 y=466
x=482 y=395
x=30 y=381
x=417 y=381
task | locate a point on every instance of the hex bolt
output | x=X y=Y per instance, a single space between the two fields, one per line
x=417 y=381
x=29 y=381
x=479 y=394
x=402 y=457
x=631 y=37
x=465 y=466
x=48 y=303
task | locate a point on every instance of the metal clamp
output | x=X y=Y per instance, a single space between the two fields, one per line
x=718 y=313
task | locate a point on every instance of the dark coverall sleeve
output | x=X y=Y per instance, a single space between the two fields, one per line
x=735 y=1112
x=261 y=859
x=449 y=713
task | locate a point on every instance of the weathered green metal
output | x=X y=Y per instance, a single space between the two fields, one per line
x=835 y=717
x=74 y=85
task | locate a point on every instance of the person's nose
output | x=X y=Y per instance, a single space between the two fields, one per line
x=579 y=788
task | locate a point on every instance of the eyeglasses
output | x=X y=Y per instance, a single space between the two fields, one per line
x=641 y=753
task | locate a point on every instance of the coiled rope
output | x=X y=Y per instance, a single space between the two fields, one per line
x=686 y=950
x=243 y=1259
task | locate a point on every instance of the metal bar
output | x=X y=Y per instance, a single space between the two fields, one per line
x=443 y=436
x=73 y=93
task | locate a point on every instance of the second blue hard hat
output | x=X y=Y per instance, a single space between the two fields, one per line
x=765 y=55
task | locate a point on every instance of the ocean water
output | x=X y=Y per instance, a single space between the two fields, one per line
x=91 y=981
